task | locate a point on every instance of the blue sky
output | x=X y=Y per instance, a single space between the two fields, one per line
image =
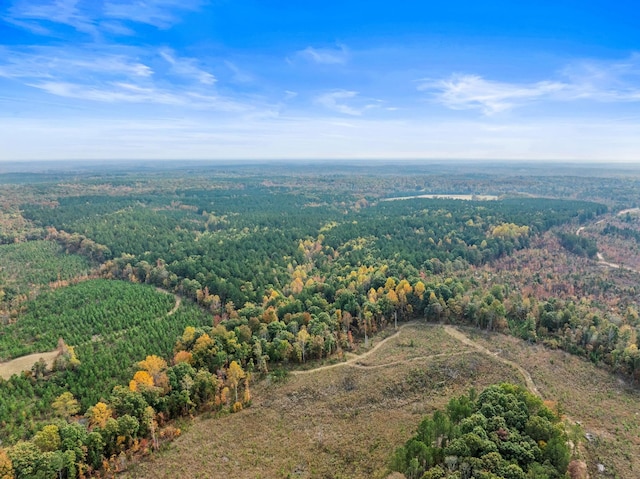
x=249 y=79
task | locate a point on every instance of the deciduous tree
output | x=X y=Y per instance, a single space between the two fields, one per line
x=65 y=405
x=235 y=373
x=98 y=415
x=6 y=467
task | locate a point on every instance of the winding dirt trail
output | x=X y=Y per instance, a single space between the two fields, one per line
x=463 y=338
x=177 y=298
x=604 y=262
x=175 y=306
x=355 y=358
x=356 y=361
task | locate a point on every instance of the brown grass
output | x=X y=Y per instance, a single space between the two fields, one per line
x=339 y=422
x=415 y=342
x=347 y=420
x=24 y=363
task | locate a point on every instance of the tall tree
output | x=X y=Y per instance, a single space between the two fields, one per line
x=235 y=373
x=303 y=338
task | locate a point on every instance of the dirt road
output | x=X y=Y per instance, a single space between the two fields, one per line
x=355 y=358
x=460 y=336
x=356 y=361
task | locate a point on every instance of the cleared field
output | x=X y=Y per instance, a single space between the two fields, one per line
x=345 y=421
x=413 y=343
x=24 y=363
x=339 y=422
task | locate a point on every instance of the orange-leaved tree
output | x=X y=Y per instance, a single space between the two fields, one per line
x=6 y=467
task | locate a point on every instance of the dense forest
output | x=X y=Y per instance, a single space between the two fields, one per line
x=269 y=270
x=504 y=432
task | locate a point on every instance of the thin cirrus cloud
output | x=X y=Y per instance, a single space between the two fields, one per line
x=612 y=82
x=111 y=92
x=37 y=16
x=341 y=101
x=325 y=56
x=95 y=17
x=51 y=62
x=187 y=67
x=117 y=77
x=468 y=92
x=159 y=13
x=238 y=74
x=121 y=92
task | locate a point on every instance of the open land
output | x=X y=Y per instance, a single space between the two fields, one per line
x=346 y=420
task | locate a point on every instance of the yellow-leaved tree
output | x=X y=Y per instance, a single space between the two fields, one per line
x=247 y=394
x=98 y=415
x=65 y=405
x=48 y=438
x=141 y=378
x=156 y=367
x=183 y=357
x=303 y=338
x=234 y=374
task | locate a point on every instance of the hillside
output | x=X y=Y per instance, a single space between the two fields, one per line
x=346 y=421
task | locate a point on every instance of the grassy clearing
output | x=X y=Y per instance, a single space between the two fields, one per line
x=415 y=342
x=25 y=363
x=339 y=422
x=346 y=421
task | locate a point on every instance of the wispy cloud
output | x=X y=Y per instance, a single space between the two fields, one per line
x=96 y=17
x=38 y=14
x=159 y=13
x=338 y=101
x=119 y=78
x=464 y=92
x=51 y=62
x=121 y=92
x=612 y=81
x=325 y=56
x=111 y=92
x=116 y=27
x=187 y=67
x=584 y=80
x=239 y=75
